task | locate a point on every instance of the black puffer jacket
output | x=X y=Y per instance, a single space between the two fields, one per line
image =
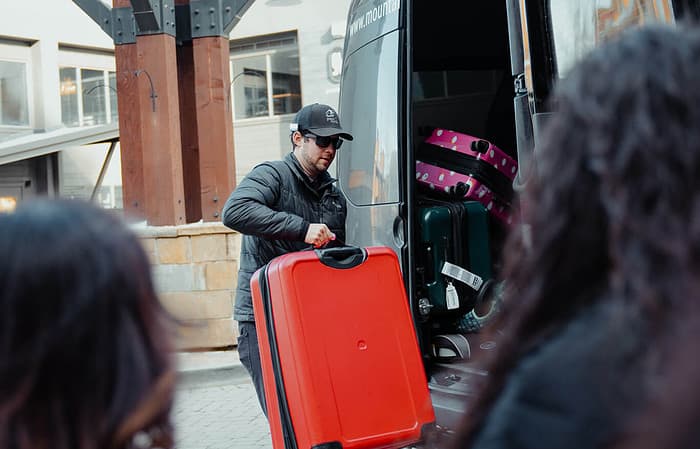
x=273 y=207
x=577 y=390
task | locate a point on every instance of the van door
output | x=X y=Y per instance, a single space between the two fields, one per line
x=368 y=167
x=519 y=46
x=556 y=34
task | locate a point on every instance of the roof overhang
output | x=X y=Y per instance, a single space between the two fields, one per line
x=41 y=143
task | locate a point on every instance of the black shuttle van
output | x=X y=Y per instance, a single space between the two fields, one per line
x=480 y=67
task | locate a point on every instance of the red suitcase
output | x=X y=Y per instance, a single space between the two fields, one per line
x=340 y=358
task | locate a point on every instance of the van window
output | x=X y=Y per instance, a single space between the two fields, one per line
x=368 y=166
x=580 y=25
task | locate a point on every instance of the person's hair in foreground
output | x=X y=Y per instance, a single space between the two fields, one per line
x=614 y=215
x=85 y=346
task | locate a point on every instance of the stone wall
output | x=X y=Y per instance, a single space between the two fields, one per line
x=194 y=270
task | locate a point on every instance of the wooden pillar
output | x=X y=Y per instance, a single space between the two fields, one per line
x=209 y=168
x=149 y=128
x=178 y=160
x=189 y=132
x=130 y=142
x=217 y=166
x=160 y=129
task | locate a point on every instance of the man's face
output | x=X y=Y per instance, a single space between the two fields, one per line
x=314 y=157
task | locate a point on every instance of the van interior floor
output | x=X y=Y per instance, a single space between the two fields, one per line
x=452 y=387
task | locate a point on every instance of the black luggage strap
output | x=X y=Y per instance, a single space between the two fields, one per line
x=463 y=163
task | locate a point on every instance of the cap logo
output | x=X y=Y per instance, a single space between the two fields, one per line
x=331 y=117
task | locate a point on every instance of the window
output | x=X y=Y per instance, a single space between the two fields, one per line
x=88 y=96
x=368 y=165
x=110 y=196
x=79 y=169
x=581 y=24
x=94 y=96
x=113 y=95
x=265 y=76
x=69 y=96
x=14 y=100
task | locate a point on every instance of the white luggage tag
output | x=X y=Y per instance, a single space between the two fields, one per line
x=451 y=297
x=462 y=275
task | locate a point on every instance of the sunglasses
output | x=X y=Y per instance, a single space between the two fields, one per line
x=324 y=141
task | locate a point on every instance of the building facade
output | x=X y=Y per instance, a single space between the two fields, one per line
x=59 y=129
x=57 y=78
x=55 y=69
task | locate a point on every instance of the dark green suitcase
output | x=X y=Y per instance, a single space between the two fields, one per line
x=458 y=233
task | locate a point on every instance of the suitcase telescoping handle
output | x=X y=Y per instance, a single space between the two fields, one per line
x=343 y=258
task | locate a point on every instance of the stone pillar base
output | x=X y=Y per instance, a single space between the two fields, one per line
x=195 y=268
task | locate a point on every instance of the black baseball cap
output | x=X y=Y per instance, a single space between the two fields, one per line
x=319 y=119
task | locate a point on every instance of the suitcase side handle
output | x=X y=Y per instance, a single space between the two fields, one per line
x=480 y=146
x=342 y=258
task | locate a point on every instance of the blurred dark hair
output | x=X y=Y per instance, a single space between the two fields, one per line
x=85 y=349
x=614 y=209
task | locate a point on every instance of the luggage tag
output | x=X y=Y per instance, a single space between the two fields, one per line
x=462 y=275
x=451 y=297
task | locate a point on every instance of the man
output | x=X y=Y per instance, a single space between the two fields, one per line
x=285 y=206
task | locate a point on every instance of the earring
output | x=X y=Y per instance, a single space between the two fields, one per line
x=147 y=439
x=141 y=440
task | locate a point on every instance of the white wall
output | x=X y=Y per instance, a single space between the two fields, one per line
x=264 y=139
x=51 y=21
x=312 y=19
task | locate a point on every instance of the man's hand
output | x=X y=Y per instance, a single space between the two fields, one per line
x=318 y=235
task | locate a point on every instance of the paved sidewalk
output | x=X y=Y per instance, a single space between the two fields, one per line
x=194 y=362
x=215 y=404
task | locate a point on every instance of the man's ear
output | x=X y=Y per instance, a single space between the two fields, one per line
x=297 y=138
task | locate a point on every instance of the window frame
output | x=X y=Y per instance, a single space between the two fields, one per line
x=267 y=54
x=101 y=61
x=665 y=14
x=18 y=53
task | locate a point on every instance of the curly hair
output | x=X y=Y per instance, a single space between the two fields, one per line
x=614 y=210
x=85 y=347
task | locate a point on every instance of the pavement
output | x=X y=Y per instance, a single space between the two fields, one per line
x=215 y=404
x=193 y=364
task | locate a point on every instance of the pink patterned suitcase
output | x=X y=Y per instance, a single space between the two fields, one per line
x=475 y=147
x=459 y=185
x=468 y=167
